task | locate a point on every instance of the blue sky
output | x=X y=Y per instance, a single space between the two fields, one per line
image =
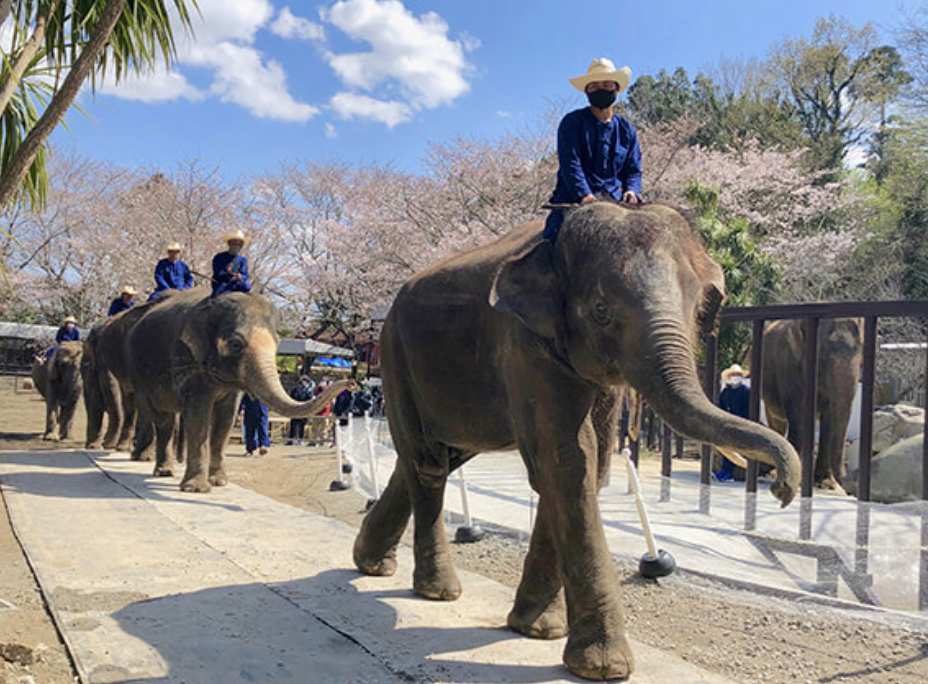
x=271 y=81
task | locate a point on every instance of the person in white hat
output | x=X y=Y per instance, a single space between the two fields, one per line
x=230 y=268
x=171 y=273
x=68 y=331
x=125 y=300
x=597 y=149
x=736 y=399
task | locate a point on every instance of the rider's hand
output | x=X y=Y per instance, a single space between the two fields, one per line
x=630 y=197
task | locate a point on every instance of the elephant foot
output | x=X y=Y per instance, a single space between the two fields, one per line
x=219 y=479
x=539 y=620
x=109 y=446
x=438 y=584
x=598 y=655
x=50 y=437
x=124 y=446
x=382 y=566
x=197 y=485
x=163 y=471
x=95 y=446
x=142 y=457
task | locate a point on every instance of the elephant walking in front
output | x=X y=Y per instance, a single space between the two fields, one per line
x=58 y=380
x=527 y=343
x=840 y=352
x=191 y=357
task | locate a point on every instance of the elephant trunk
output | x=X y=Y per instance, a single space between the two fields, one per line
x=668 y=381
x=262 y=381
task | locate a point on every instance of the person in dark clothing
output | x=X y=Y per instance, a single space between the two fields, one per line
x=125 y=300
x=230 y=268
x=597 y=149
x=171 y=273
x=736 y=399
x=254 y=419
x=302 y=391
x=68 y=331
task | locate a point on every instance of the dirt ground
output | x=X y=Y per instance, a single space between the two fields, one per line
x=750 y=637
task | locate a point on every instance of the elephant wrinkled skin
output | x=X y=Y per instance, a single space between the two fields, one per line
x=528 y=344
x=840 y=353
x=58 y=380
x=194 y=355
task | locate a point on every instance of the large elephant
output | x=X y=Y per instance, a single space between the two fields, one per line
x=524 y=343
x=194 y=355
x=58 y=380
x=107 y=383
x=840 y=351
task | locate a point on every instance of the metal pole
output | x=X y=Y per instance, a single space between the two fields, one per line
x=711 y=387
x=757 y=390
x=925 y=442
x=666 y=450
x=810 y=394
x=865 y=444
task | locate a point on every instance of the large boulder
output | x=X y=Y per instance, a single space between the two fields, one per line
x=891 y=425
x=896 y=473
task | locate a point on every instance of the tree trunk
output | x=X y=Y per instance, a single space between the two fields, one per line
x=83 y=66
x=26 y=55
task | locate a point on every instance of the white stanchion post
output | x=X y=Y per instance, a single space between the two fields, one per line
x=468 y=532
x=655 y=563
x=339 y=485
x=371 y=454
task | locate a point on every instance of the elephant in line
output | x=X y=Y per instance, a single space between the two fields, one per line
x=529 y=344
x=58 y=380
x=840 y=352
x=193 y=356
x=107 y=382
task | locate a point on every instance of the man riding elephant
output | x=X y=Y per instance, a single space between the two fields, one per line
x=529 y=343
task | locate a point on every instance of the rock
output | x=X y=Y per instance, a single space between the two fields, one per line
x=891 y=425
x=896 y=474
x=19 y=654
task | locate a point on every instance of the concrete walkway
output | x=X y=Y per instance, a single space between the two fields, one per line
x=831 y=546
x=149 y=584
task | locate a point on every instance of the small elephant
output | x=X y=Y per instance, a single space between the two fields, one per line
x=528 y=343
x=193 y=356
x=58 y=380
x=840 y=352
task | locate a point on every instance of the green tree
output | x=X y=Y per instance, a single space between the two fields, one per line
x=751 y=277
x=58 y=45
x=833 y=80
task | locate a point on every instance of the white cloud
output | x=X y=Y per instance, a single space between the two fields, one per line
x=287 y=25
x=354 y=106
x=242 y=76
x=223 y=44
x=330 y=131
x=415 y=54
x=160 y=86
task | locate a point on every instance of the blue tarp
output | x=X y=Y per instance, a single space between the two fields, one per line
x=332 y=362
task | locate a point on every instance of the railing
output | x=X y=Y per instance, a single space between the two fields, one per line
x=811 y=314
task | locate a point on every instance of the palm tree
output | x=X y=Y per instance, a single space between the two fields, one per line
x=76 y=39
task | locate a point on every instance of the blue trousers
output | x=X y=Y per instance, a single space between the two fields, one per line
x=256 y=431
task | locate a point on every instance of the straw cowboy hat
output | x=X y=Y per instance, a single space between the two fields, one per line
x=128 y=289
x=173 y=247
x=236 y=235
x=69 y=319
x=603 y=69
x=734 y=369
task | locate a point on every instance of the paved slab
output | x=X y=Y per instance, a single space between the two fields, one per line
x=150 y=584
x=828 y=545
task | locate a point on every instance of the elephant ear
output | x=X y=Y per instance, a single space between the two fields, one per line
x=713 y=292
x=196 y=339
x=528 y=287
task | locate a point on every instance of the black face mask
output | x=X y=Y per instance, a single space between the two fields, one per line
x=602 y=98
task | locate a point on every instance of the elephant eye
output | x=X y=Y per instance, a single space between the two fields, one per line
x=235 y=346
x=600 y=313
